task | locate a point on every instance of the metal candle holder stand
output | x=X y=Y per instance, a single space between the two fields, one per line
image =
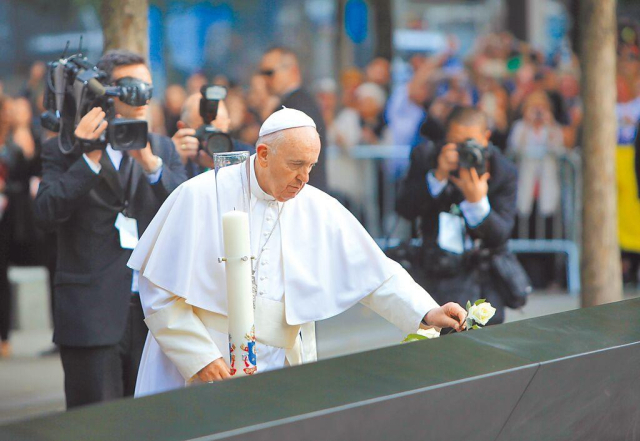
x=243 y=258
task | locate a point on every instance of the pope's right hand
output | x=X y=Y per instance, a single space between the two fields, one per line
x=217 y=370
x=449 y=315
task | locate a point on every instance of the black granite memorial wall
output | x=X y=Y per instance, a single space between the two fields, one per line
x=568 y=376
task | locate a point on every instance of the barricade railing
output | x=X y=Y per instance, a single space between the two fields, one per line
x=564 y=238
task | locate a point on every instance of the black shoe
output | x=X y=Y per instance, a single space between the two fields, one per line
x=55 y=350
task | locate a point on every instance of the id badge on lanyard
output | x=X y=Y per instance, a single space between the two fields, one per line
x=451 y=232
x=127 y=226
x=128 y=230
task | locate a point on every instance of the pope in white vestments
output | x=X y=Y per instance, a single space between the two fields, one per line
x=313 y=261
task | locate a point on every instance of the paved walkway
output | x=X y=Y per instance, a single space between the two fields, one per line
x=31 y=385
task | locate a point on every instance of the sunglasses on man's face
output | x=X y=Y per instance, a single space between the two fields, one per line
x=267 y=72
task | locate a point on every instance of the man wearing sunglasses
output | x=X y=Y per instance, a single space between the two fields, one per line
x=281 y=70
x=99 y=203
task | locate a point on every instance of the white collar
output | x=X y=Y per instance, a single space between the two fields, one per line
x=256 y=190
x=115 y=156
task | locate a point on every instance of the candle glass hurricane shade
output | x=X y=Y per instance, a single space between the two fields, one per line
x=224 y=165
x=233 y=199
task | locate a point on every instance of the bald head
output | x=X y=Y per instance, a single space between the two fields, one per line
x=174 y=98
x=191 y=111
x=284 y=160
x=191 y=114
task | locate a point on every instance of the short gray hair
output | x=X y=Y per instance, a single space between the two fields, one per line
x=273 y=140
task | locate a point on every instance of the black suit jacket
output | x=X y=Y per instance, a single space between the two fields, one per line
x=92 y=282
x=301 y=100
x=415 y=200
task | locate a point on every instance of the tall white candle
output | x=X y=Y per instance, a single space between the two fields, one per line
x=237 y=248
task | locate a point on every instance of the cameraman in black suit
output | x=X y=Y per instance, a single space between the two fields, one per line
x=95 y=201
x=468 y=213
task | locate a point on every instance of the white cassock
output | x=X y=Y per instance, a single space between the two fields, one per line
x=318 y=262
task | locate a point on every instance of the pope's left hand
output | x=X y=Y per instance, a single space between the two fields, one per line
x=450 y=315
x=473 y=187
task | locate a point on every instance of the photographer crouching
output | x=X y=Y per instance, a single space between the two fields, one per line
x=464 y=193
x=104 y=178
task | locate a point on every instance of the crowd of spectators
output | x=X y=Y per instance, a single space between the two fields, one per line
x=532 y=101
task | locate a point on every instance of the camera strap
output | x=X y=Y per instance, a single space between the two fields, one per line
x=127 y=226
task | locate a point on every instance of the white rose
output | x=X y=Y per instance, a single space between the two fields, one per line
x=429 y=333
x=481 y=313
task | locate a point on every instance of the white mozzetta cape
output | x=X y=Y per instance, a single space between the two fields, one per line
x=330 y=261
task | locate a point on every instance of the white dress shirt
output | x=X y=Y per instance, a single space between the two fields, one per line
x=474 y=212
x=116 y=159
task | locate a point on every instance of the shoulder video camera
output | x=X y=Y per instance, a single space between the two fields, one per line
x=212 y=140
x=74 y=87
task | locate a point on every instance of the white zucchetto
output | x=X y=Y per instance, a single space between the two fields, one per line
x=285 y=119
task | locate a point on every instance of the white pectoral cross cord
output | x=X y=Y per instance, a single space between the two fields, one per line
x=256 y=260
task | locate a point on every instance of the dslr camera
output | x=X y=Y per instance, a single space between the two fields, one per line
x=212 y=140
x=471 y=154
x=74 y=86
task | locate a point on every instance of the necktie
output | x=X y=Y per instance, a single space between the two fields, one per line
x=124 y=171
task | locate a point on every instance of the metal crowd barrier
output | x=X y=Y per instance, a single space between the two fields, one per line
x=565 y=224
x=380 y=216
x=378 y=211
